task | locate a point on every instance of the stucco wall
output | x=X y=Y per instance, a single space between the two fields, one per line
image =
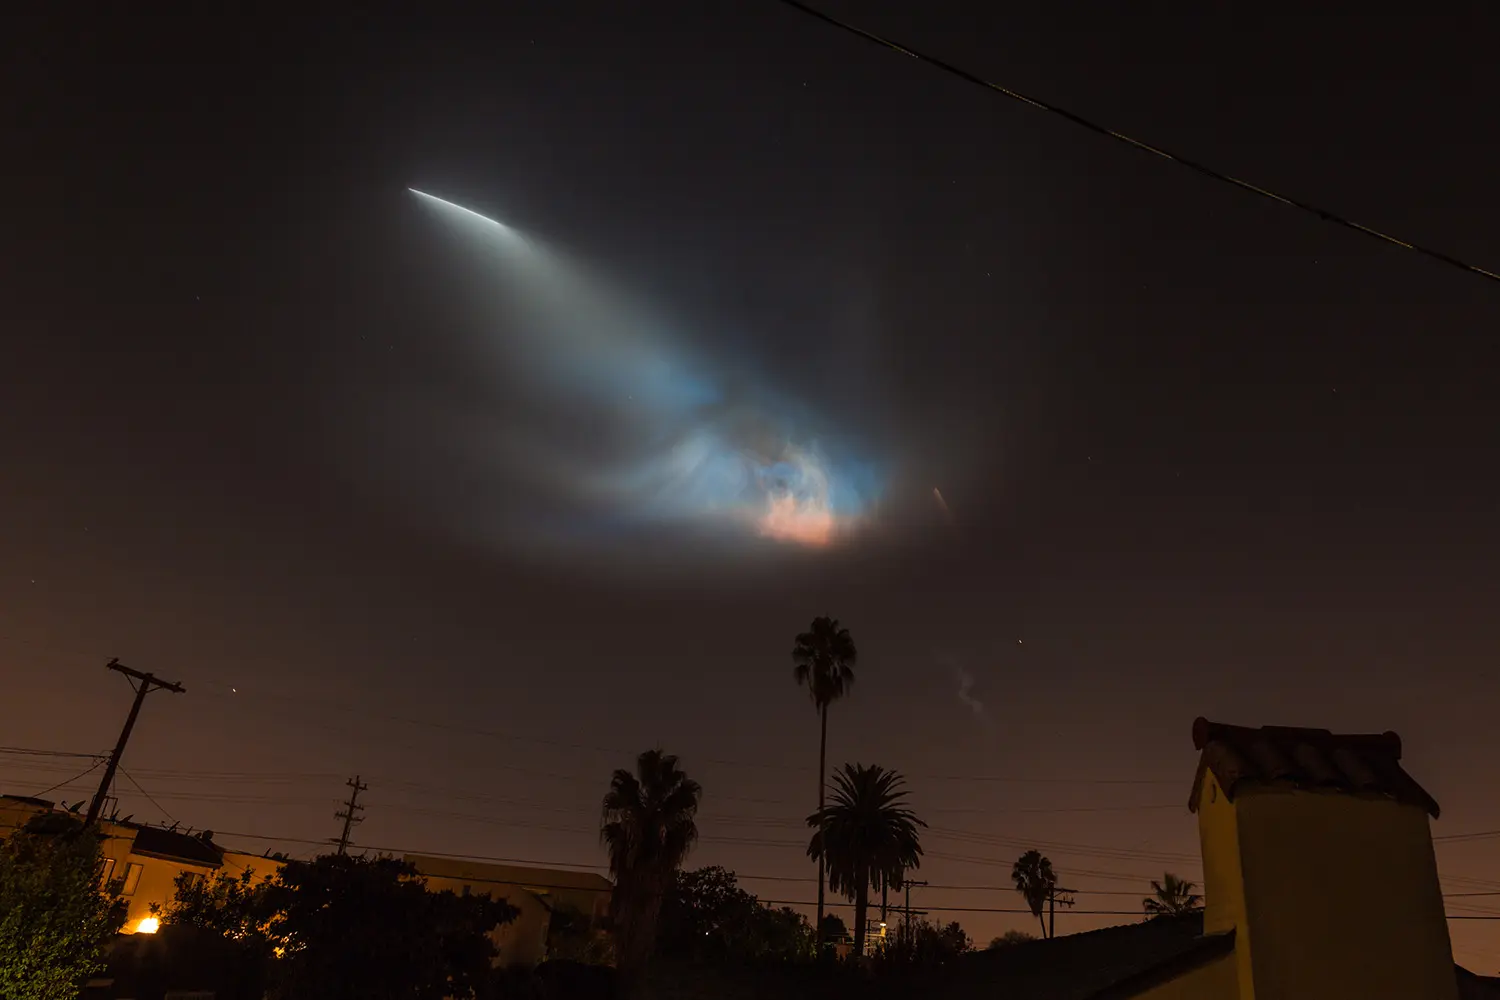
x=1342 y=897
x=1215 y=981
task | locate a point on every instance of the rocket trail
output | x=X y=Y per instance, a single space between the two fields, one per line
x=671 y=440
x=449 y=204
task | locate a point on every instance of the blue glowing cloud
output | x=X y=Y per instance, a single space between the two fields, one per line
x=671 y=441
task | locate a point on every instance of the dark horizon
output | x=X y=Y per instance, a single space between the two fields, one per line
x=1202 y=454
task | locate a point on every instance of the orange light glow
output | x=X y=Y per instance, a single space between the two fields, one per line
x=791 y=521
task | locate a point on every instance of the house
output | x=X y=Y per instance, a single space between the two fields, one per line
x=538 y=893
x=145 y=860
x=1319 y=881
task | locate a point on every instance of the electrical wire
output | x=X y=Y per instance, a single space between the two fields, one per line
x=1092 y=126
x=927 y=907
x=158 y=805
x=324 y=704
x=31 y=752
x=77 y=777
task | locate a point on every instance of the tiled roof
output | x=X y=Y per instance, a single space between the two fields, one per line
x=1304 y=758
x=1109 y=963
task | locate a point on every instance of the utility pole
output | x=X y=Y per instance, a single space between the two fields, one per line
x=148 y=683
x=350 y=813
x=906 y=930
x=1052 y=900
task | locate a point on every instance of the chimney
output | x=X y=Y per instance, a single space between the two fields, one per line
x=1317 y=851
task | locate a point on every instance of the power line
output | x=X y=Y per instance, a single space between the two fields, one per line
x=717 y=761
x=30 y=752
x=772 y=902
x=1453 y=838
x=92 y=768
x=147 y=794
x=1092 y=126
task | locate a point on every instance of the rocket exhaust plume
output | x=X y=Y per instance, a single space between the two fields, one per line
x=937 y=495
x=627 y=430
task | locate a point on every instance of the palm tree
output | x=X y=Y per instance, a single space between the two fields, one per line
x=1173 y=897
x=648 y=828
x=870 y=836
x=1035 y=881
x=824 y=658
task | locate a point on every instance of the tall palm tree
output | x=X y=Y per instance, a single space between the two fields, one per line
x=824 y=658
x=866 y=836
x=1173 y=897
x=648 y=827
x=1035 y=881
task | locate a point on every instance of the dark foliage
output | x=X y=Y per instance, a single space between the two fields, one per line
x=648 y=827
x=1172 y=897
x=871 y=837
x=707 y=916
x=1035 y=881
x=1010 y=939
x=54 y=921
x=369 y=928
x=823 y=661
x=346 y=927
x=574 y=936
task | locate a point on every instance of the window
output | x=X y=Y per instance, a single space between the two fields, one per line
x=132 y=878
x=190 y=880
x=106 y=870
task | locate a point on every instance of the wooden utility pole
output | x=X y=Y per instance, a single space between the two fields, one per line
x=906 y=928
x=350 y=813
x=148 y=683
x=1052 y=901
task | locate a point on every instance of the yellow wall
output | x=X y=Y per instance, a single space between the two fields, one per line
x=259 y=867
x=1218 y=980
x=1223 y=884
x=1330 y=894
x=158 y=885
x=1342 y=894
x=533 y=891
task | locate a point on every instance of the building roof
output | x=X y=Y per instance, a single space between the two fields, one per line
x=522 y=876
x=28 y=800
x=1476 y=987
x=1241 y=756
x=1106 y=964
x=196 y=849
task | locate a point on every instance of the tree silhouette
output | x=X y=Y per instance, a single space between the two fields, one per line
x=1172 y=897
x=824 y=658
x=648 y=828
x=335 y=927
x=54 y=921
x=368 y=928
x=1035 y=880
x=708 y=917
x=871 y=837
x=1010 y=939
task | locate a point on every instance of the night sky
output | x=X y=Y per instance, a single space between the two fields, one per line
x=1203 y=454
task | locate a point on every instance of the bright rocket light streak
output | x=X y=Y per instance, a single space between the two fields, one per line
x=466 y=211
